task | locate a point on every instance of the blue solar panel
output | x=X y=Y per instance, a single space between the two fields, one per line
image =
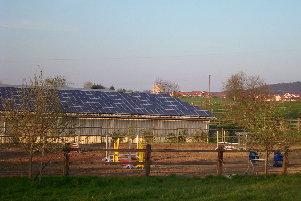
x=100 y=102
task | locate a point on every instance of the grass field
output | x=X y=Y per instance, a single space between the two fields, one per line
x=153 y=188
x=293 y=109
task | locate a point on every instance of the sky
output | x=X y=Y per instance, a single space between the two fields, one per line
x=130 y=43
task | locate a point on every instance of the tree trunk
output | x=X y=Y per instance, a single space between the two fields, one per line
x=147 y=165
x=66 y=162
x=220 y=159
x=30 y=164
x=41 y=165
x=266 y=162
x=285 y=161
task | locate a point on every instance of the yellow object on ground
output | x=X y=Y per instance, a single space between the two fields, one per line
x=140 y=155
x=116 y=153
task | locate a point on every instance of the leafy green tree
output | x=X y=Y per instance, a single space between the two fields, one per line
x=264 y=120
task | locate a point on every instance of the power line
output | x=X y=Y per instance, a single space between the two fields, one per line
x=139 y=57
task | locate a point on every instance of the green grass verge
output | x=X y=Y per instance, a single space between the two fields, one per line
x=153 y=188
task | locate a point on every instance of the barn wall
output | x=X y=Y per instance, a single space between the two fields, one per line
x=109 y=126
x=94 y=130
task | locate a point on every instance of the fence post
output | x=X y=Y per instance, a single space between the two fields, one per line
x=147 y=164
x=285 y=161
x=220 y=159
x=66 y=160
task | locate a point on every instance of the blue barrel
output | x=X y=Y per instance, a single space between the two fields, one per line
x=278 y=159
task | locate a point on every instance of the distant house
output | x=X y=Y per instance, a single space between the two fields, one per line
x=199 y=94
x=291 y=97
x=285 y=97
x=191 y=94
x=218 y=94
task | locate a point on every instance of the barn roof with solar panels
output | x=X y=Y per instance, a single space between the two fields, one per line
x=98 y=102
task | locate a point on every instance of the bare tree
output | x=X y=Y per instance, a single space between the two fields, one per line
x=97 y=86
x=34 y=118
x=121 y=90
x=88 y=85
x=240 y=86
x=56 y=82
x=164 y=86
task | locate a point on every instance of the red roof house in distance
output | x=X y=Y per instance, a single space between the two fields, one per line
x=191 y=94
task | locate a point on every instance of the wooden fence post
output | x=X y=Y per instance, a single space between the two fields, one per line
x=147 y=164
x=220 y=159
x=66 y=160
x=285 y=161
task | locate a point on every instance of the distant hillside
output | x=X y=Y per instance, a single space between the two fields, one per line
x=293 y=87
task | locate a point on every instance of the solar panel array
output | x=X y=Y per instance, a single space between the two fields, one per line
x=111 y=102
x=9 y=93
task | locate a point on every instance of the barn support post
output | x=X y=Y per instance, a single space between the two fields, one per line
x=285 y=161
x=207 y=131
x=107 y=154
x=129 y=143
x=147 y=165
x=66 y=160
x=177 y=132
x=220 y=159
x=217 y=138
x=223 y=135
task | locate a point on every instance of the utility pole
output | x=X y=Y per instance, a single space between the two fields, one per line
x=209 y=88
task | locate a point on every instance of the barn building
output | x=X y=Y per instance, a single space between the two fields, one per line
x=97 y=113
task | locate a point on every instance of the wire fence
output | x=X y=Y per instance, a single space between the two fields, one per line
x=158 y=159
x=184 y=151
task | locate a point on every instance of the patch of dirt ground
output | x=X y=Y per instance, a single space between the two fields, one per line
x=14 y=162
